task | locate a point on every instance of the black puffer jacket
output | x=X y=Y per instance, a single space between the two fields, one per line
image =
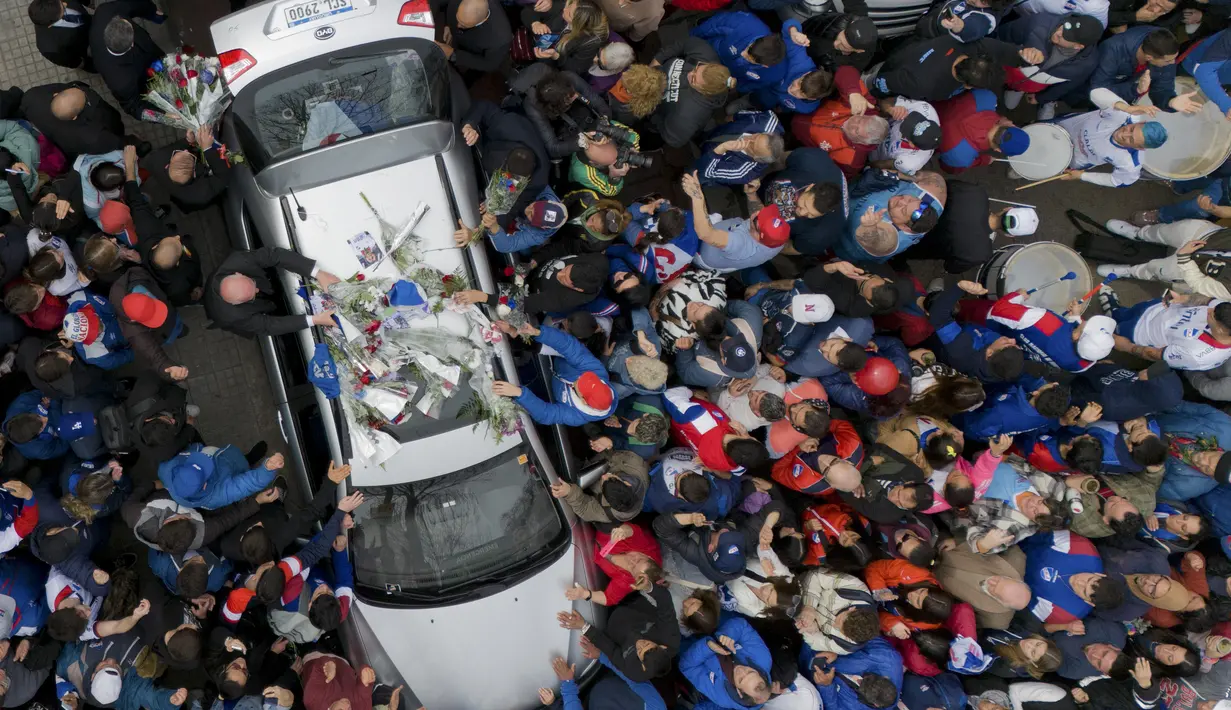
x=560 y=136
x=684 y=111
x=822 y=30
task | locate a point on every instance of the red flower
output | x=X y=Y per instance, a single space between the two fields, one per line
x=183 y=83
x=179 y=59
x=188 y=49
x=150 y=73
x=447 y=279
x=192 y=73
x=509 y=271
x=372 y=327
x=360 y=277
x=504 y=300
x=366 y=379
x=179 y=104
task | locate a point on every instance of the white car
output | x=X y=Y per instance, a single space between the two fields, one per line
x=461 y=554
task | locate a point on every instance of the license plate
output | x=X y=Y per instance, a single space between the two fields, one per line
x=304 y=12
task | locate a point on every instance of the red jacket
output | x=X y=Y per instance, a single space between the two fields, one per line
x=891 y=574
x=796 y=470
x=621 y=584
x=964 y=128
x=834 y=519
x=961 y=622
x=49 y=315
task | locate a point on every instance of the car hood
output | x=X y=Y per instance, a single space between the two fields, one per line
x=493 y=653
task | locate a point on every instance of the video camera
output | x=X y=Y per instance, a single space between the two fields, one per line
x=626 y=154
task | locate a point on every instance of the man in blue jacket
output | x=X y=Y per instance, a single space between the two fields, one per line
x=867 y=679
x=94 y=330
x=1197 y=436
x=1072 y=55
x=1032 y=403
x=700 y=366
x=32 y=424
x=210 y=477
x=580 y=387
x=755 y=56
x=972 y=350
x=740 y=151
x=835 y=345
x=1208 y=63
x=22 y=580
x=731 y=668
x=1116 y=81
x=680 y=485
x=192 y=574
x=803 y=84
x=104 y=674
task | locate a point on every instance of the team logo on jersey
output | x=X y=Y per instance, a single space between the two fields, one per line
x=1049 y=574
x=797 y=469
x=1192 y=332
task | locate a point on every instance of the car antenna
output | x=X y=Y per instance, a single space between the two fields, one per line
x=299 y=210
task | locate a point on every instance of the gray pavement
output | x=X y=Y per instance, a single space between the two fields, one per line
x=227 y=375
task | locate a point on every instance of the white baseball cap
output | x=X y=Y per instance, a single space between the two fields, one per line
x=105 y=686
x=1097 y=338
x=1021 y=221
x=811 y=308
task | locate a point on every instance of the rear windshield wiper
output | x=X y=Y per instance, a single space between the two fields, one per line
x=338 y=61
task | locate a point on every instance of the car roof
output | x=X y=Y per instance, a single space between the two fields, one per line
x=264 y=32
x=336 y=212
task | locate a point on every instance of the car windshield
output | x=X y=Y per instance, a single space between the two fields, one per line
x=445 y=533
x=329 y=99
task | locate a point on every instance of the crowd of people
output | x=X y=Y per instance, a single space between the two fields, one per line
x=828 y=484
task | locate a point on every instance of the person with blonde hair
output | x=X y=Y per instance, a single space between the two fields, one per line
x=637 y=93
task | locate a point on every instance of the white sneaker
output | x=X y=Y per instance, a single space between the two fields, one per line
x=1120 y=270
x=1012 y=99
x=1107 y=300
x=1047 y=111
x=1014 y=175
x=1122 y=228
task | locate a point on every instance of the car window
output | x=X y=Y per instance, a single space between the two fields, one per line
x=313 y=443
x=361 y=90
x=294 y=370
x=447 y=533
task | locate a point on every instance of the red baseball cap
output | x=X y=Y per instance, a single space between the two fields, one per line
x=116 y=218
x=594 y=392
x=146 y=310
x=82 y=326
x=775 y=231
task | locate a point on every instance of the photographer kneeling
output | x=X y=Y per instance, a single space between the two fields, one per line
x=561 y=105
x=609 y=152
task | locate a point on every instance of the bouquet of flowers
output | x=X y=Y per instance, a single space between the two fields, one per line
x=503 y=190
x=186 y=91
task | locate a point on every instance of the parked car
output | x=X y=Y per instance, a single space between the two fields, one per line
x=460 y=552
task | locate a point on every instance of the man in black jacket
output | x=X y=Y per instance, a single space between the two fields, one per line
x=563 y=281
x=75 y=118
x=266 y=535
x=188 y=181
x=123 y=51
x=939 y=68
x=238 y=295
x=477 y=35
x=498 y=134
x=837 y=39
x=62 y=32
x=641 y=637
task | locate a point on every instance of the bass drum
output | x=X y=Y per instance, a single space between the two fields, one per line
x=1197 y=144
x=1025 y=266
x=1050 y=152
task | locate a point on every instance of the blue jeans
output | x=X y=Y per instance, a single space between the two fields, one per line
x=1126 y=318
x=1188 y=209
x=1182 y=186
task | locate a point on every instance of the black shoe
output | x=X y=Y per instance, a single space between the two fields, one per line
x=256 y=453
x=184 y=331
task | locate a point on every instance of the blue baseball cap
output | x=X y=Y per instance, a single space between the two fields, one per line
x=729 y=557
x=76 y=425
x=1014 y=141
x=190 y=472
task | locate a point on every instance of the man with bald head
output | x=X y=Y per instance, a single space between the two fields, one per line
x=239 y=295
x=992 y=584
x=75 y=118
x=476 y=36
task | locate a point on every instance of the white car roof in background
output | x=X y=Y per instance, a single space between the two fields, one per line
x=266 y=35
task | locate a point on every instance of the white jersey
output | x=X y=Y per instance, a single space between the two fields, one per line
x=906 y=160
x=738 y=408
x=59 y=587
x=1184 y=335
x=1096 y=8
x=1092 y=146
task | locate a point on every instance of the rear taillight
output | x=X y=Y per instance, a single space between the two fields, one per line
x=235 y=62
x=416 y=13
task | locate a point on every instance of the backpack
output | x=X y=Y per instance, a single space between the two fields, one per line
x=113 y=426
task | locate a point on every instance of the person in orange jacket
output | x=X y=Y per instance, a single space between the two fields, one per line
x=834 y=536
x=911 y=597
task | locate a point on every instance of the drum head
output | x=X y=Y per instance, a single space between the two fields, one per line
x=1196 y=143
x=1050 y=152
x=1038 y=263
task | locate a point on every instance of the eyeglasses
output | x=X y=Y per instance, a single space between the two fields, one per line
x=925 y=202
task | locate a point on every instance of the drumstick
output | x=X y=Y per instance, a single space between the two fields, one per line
x=1021 y=162
x=1067 y=277
x=1104 y=282
x=1040 y=182
x=1010 y=202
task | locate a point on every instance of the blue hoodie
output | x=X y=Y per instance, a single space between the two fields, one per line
x=1005 y=411
x=730 y=33
x=810 y=362
x=574 y=361
x=798 y=63
x=210 y=477
x=702 y=667
x=1209 y=61
x=24 y=579
x=842 y=389
x=48 y=444
x=724 y=492
x=875 y=657
x=111 y=349
x=167 y=568
x=1117 y=68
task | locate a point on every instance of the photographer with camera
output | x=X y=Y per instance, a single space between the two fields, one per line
x=560 y=104
x=609 y=152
